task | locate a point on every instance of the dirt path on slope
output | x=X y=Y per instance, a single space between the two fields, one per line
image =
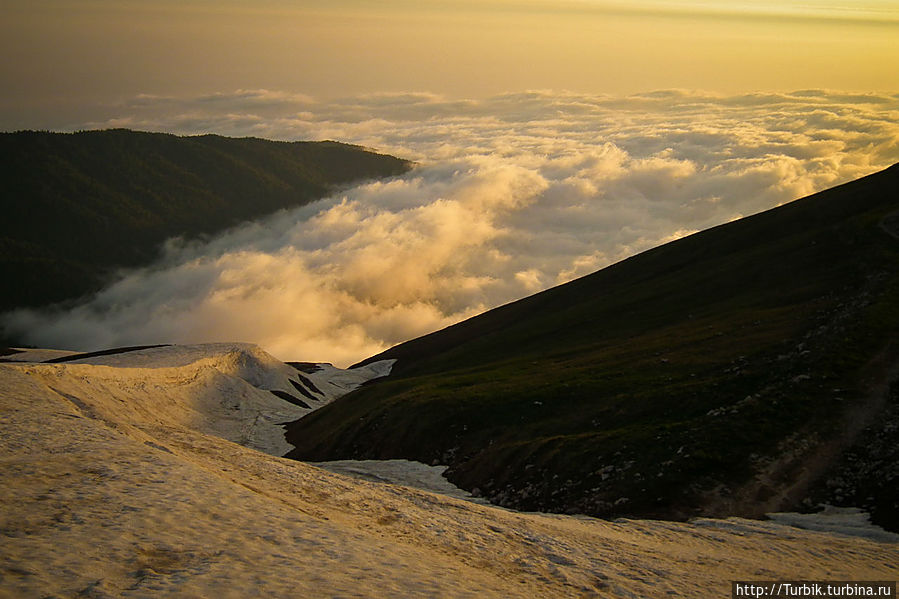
x=783 y=483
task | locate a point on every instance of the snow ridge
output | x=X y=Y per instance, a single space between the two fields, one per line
x=223 y=389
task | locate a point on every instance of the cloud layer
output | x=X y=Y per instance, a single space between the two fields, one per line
x=513 y=194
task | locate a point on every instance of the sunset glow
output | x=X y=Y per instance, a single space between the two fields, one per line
x=103 y=51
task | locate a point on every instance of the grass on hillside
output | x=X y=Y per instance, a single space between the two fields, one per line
x=656 y=387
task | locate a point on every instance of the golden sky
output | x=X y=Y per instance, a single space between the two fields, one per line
x=59 y=53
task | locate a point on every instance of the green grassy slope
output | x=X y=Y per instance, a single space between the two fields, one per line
x=668 y=385
x=77 y=206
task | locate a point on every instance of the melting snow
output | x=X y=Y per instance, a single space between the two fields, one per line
x=135 y=475
x=842 y=520
x=400 y=472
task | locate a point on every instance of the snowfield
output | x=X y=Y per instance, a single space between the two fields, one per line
x=155 y=473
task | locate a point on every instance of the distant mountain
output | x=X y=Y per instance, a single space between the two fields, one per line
x=748 y=368
x=78 y=206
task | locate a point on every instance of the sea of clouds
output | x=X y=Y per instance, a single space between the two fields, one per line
x=512 y=194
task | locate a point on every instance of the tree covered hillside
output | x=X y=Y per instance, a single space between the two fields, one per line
x=77 y=206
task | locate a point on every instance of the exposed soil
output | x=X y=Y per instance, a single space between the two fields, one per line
x=302 y=389
x=288 y=397
x=307 y=367
x=104 y=352
x=309 y=384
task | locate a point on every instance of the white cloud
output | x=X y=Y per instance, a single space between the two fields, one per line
x=514 y=194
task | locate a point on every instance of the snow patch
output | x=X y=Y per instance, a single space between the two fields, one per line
x=406 y=473
x=224 y=389
x=849 y=521
x=335 y=382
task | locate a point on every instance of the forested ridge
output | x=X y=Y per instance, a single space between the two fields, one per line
x=78 y=206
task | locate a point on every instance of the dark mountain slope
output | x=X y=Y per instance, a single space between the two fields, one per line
x=724 y=373
x=77 y=206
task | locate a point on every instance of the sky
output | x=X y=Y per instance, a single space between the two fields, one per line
x=67 y=60
x=553 y=138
